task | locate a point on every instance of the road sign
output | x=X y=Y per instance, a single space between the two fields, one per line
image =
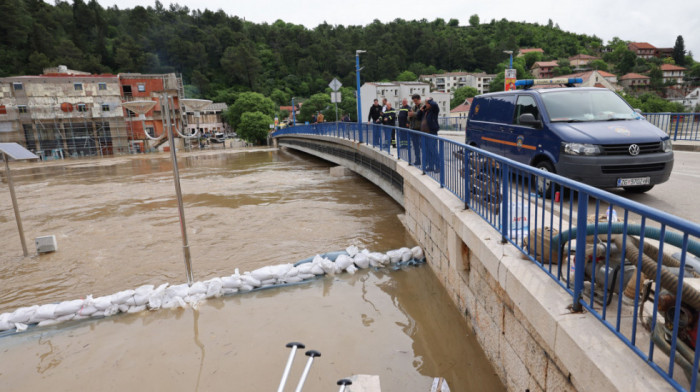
x=335 y=84
x=335 y=97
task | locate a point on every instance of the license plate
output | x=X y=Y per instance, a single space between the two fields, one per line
x=633 y=181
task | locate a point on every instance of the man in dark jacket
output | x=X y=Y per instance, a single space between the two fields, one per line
x=388 y=119
x=375 y=112
x=403 y=114
x=432 y=111
x=430 y=125
x=415 y=117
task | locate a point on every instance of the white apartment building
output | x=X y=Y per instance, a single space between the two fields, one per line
x=449 y=82
x=394 y=92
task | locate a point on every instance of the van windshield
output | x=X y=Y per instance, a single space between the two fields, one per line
x=586 y=105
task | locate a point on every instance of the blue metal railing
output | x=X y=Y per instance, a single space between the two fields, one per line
x=680 y=126
x=452 y=123
x=568 y=229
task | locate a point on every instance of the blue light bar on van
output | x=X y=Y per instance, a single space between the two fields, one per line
x=539 y=82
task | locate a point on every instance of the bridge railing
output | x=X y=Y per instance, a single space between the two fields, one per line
x=679 y=126
x=630 y=266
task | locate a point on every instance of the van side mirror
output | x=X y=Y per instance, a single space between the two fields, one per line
x=529 y=120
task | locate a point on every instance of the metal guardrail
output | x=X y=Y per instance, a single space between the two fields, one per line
x=679 y=126
x=567 y=228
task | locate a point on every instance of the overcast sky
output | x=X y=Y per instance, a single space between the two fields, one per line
x=658 y=22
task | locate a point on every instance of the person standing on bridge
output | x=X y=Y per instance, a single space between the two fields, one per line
x=415 y=117
x=320 y=118
x=375 y=112
x=403 y=114
x=389 y=119
x=431 y=126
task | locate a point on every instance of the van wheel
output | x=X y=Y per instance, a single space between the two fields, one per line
x=638 y=189
x=544 y=186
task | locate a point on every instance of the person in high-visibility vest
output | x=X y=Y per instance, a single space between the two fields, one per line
x=403 y=114
x=389 y=119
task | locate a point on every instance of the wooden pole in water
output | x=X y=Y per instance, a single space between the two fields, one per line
x=18 y=218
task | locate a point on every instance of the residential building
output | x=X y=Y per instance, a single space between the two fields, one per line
x=634 y=81
x=394 y=92
x=544 y=69
x=610 y=77
x=662 y=53
x=593 y=79
x=63 y=113
x=581 y=61
x=289 y=110
x=460 y=114
x=523 y=51
x=151 y=87
x=691 y=100
x=449 y=82
x=672 y=73
x=210 y=119
x=644 y=50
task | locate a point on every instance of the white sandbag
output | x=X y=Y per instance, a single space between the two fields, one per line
x=317 y=259
x=351 y=269
x=294 y=271
x=123 y=308
x=21 y=327
x=22 y=315
x=247 y=280
x=173 y=302
x=87 y=310
x=227 y=291
x=194 y=299
x=307 y=276
x=130 y=301
x=43 y=312
x=406 y=254
x=99 y=313
x=231 y=282
x=180 y=290
x=68 y=307
x=343 y=262
x=197 y=288
x=417 y=252
x=245 y=287
x=365 y=252
x=136 y=309
x=5 y=324
x=264 y=273
x=394 y=256
x=378 y=259
x=352 y=250
x=268 y=282
x=144 y=290
x=215 y=287
x=122 y=296
x=293 y=279
x=140 y=300
x=329 y=267
x=102 y=303
x=280 y=270
x=155 y=299
x=317 y=269
x=361 y=260
x=67 y=317
x=305 y=268
x=111 y=310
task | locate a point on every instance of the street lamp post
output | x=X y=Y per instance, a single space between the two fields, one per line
x=510 y=74
x=294 y=113
x=510 y=52
x=357 y=72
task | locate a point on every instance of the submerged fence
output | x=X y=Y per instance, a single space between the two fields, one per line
x=629 y=265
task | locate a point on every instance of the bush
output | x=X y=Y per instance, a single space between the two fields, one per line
x=254 y=127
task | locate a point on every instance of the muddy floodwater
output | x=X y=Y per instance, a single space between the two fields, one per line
x=117 y=228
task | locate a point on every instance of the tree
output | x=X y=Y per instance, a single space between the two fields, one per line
x=407 y=76
x=320 y=102
x=254 y=127
x=461 y=95
x=474 y=20
x=656 y=76
x=280 y=97
x=679 y=51
x=627 y=62
x=249 y=102
x=241 y=63
x=600 y=65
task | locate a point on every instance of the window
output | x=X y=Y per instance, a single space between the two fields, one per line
x=81 y=107
x=151 y=131
x=105 y=107
x=78 y=86
x=525 y=104
x=141 y=87
x=17 y=86
x=127 y=90
x=102 y=86
x=22 y=108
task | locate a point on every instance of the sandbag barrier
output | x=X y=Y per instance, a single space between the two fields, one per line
x=165 y=296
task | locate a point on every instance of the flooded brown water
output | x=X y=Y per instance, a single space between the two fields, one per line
x=116 y=225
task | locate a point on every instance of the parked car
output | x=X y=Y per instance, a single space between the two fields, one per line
x=590 y=135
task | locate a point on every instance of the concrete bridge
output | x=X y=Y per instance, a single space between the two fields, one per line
x=520 y=316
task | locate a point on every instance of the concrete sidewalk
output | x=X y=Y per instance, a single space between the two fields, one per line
x=686 y=145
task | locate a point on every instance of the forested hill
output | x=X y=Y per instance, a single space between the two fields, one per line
x=215 y=51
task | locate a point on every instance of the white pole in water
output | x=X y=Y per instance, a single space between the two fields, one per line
x=344 y=384
x=311 y=354
x=14 y=203
x=294 y=346
x=178 y=191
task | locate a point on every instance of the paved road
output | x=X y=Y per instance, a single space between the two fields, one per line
x=679 y=196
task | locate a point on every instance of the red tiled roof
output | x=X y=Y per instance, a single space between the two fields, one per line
x=529 y=50
x=633 y=76
x=606 y=74
x=463 y=107
x=671 y=67
x=542 y=64
x=642 y=45
x=583 y=57
x=599 y=85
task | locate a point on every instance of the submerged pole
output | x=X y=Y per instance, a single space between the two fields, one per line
x=18 y=218
x=178 y=191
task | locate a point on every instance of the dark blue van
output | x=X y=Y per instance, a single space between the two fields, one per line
x=590 y=135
